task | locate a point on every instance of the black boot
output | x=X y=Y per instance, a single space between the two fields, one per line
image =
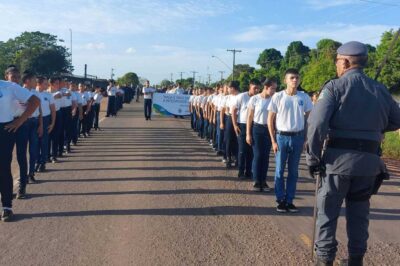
x=355 y=261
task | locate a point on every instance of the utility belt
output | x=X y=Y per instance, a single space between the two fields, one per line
x=290 y=133
x=360 y=145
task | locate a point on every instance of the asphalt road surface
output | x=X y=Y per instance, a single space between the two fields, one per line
x=151 y=193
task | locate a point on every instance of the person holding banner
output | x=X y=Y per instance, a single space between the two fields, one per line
x=148 y=99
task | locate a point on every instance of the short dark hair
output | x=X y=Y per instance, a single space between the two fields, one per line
x=292 y=71
x=27 y=75
x=255 y=82
x=11 y=69
x=40 y=79
x=53 y=80
x=360 y=61
x=269 y=81
x=234 y=84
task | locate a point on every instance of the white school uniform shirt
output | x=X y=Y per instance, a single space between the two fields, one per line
x=78 y=97
x=9 y=94
x=230 y=102
x=36 y=113
x=290 y=110
x=86 y=96
x=210 y=98
x=179 y=91
x=111 y=91
x=241 y=101
x=98 y=97
x=260 y=107
x=204 y=101
x=222 y=102
x=216 y=99
x=191 y=99
x=57 y=102
x=66 y=101
x=46 y=100
x=149 y=91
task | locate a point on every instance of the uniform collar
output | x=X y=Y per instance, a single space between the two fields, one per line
x=353 y=70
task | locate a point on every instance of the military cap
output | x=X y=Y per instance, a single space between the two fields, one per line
x=353 y=49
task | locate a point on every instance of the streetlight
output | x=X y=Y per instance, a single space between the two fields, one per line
x=214 y=56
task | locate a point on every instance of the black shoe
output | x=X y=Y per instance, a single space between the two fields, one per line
x=256 y=186
x=54 y=160
x=21 y=194
x=32 y=179
x=248 y=175
x=7 y=215
x=355 y=261
x=281 y=207
x=220 y=153
x=291 y=208
x=228 y=165
x=266 y=188
x=241 y=176
x=42 y=167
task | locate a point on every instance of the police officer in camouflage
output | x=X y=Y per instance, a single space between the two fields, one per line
x=351 y=115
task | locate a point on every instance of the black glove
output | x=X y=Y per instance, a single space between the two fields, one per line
x=317 y=169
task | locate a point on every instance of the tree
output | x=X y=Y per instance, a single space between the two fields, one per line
x=270 y=58
x=390 y=74
x=240 y=68
x=244 y=81
x=165 y=83
x=129 y=79
x=321 y=67
x=297 y=55
x=36 y=51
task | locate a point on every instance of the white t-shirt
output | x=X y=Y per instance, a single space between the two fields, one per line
x=98 y=97
x=221 y=102
x=66 y=101
x=191 y=98
x=46 y=99
x=36 y=113
x=148 y=92
x=78 y=97
x=230 y=102
x=9 y=94
x=241 y=102
x=57 y=102
x=260 y=107
x=111 y=91
x=290 y=110
x=204 y=101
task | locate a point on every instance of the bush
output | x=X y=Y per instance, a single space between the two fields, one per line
x=391 y=145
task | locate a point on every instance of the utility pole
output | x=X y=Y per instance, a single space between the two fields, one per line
x=209 y=79
x=181 y=75
x=172 y=74
x=234 y=51
x=112 y=73
x=222 y=74
x=194 y=76
x=70 y=44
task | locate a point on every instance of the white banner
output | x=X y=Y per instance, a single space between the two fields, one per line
x=171 y=104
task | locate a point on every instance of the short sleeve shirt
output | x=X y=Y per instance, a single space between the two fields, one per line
x=46 y=99
x=260 y=107
x=9 y=93
x=290 y=110
x=148 y=92
x=241 y=102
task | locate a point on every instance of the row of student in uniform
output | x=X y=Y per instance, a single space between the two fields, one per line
x=46 y=115
x=244 y=127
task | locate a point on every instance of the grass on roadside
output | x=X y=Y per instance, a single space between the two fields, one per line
x=391 y=145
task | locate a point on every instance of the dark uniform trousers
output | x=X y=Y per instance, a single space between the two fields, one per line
x=111 y=106
x=96 y=110
x=147 y=108
x=230 y=139
x=22 y=137
x=75 y=127
x=261 y=150
x=67 y=128
x=245 y=154
x=44 y=141
x=54 y=135
x=83 y=124
x=7 y=141
x=333 y=191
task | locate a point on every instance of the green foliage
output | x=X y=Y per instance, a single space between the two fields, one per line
x=165 y=83
x=128 y=79
x=296 y=56
x=270 y=58
x=36 y=51
x=391 y=145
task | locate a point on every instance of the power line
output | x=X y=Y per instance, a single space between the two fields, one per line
x=234 y=51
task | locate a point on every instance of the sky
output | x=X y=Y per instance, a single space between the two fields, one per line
x=155 y=38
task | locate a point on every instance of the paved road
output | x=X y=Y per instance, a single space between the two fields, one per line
x=149 y=193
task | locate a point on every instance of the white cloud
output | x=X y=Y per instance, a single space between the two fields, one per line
x=340 y=32
x=95 y=46
x=323 y=4
x=130 y=50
